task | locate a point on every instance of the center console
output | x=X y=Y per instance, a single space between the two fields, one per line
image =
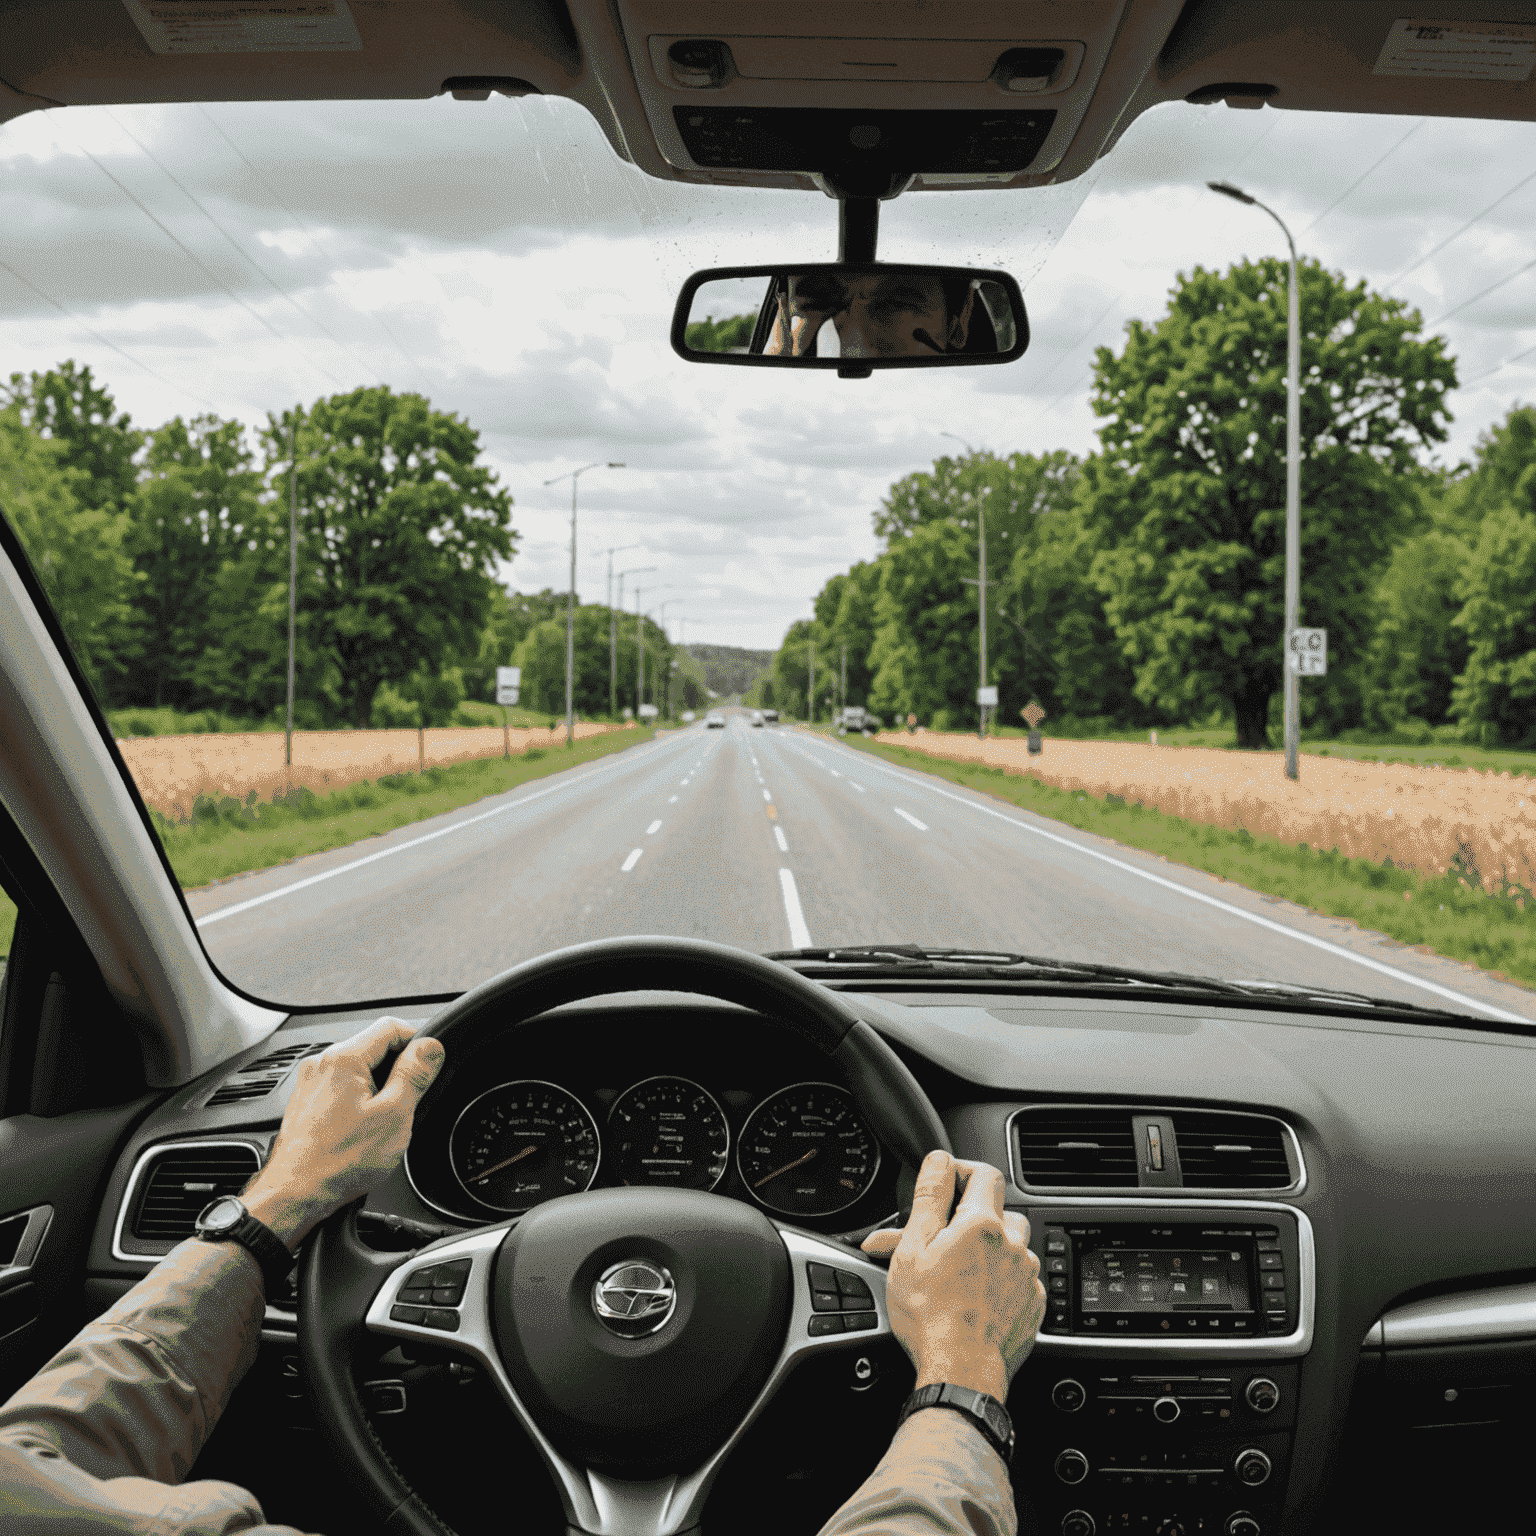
x=1161 y=1394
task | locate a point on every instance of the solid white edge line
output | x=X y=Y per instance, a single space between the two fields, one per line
x=921 y=826
x=778 y=833
x=415 y=842
x=799 y=934
x=631 y=861
x=1221 y=906
x=653 y=829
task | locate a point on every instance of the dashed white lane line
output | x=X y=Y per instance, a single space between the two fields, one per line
x=922 y=826
x=631 y=861
x=672 y=800
x=799 y=934
x=653 y=829
x=853 y=785
x=767 y=796
x=1212 y=901
x=835 y=774
x=778 y=833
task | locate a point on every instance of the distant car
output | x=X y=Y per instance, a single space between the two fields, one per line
x=714 y=719
x=770 y=717
x=757 y=717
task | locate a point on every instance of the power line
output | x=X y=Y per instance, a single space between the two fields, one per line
x=234 y=245
x=1435 y=251
x=223 y=288
x=1356 y=182
x=1498 y=368
x=1492 y=287
x=97 y=336
x=314 y=241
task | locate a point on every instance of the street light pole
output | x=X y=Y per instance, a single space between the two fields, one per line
x=293 y=572
x=1292 y=679
x=613 y=632
x=636 y=570
x=981 y=595
x=570 y=604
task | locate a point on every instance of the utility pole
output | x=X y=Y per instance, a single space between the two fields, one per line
x=810 y=707
x=293 y=570
x=1290 y=678
x=844 y=691
x=570 y=604
x=639 y=570
x=981 y=594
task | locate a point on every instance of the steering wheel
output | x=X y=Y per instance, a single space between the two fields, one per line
x=635 y=1333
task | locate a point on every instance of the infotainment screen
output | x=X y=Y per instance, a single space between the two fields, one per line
x=1163 y=1280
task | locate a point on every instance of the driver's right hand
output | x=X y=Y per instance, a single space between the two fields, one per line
x=964 y=1294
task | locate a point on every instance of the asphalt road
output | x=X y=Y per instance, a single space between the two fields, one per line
x=769 y=839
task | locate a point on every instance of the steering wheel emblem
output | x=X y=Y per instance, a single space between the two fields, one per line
x=634 y=1298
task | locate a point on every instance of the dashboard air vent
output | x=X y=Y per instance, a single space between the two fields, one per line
x=177 y=1185
x=260 y=1077
x=1231 y=1151
x=1076 y=1148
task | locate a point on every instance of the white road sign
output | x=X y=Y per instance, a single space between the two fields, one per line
x=648 y=711
x=987 y=695
x=509 y=681
x=1307 y=653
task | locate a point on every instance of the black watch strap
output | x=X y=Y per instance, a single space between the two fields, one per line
x=988 y=1415
x=264 y=1245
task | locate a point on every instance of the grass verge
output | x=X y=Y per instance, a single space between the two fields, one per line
x=1442 y=913
x=226 y=838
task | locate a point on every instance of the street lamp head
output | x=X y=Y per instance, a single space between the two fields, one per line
x=612 y=465
x=1228 y=190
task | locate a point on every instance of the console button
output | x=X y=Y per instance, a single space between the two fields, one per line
x=1272 y=1260
x=1055 y=1240
x=1252 y=1467
x=1057 y=1285
x=1077 y=1522
x=1068 y=1395
x=1262 y=1395
x=1271 y=1281
x=1056 y=1266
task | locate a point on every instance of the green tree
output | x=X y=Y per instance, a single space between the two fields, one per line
x=1497 y=689
x=402 y=528
x=76 y=550
x=192 y=513
x=541 y=655
x=1189 y=491
x=67 y=406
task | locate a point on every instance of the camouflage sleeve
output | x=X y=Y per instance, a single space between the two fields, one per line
x=102 y=1435
x=941 y=1477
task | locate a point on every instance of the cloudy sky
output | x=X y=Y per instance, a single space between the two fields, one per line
x=496 y=257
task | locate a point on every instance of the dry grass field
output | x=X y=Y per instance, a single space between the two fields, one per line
x=173 y=772
x=1481 y=826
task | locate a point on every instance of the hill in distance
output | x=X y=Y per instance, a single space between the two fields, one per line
x=729 y=670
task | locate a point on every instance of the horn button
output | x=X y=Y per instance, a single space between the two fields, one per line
x=618 y=1373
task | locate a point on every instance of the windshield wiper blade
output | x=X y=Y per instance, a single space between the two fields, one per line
x=913 y=959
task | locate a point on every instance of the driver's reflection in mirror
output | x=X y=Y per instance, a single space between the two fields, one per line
x=893 y=314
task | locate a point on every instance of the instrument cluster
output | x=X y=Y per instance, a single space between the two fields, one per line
x=803 y=1152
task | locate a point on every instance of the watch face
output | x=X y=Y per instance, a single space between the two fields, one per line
x=222 y=1215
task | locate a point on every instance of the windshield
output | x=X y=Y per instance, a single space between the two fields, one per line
x=363 y=418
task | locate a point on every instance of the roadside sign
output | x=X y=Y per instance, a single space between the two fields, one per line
x=987 y=696
x=1032 y=714
x=1307 y=652
x=649 y=711
x=509 y=682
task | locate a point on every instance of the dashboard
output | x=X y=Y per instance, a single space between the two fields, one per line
x=1278 y=1343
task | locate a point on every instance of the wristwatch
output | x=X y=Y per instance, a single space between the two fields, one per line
x=988 y=1415
x=226 y=1220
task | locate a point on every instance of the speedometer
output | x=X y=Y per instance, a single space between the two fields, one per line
x=806 y=1151
x=520 y=1144
x=668 y=1131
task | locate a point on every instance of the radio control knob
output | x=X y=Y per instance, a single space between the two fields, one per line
x=1068 y=1395
x=1252 y=1467
x=1171 y=1528
x=1165 y=1410
x=1242 y=1523
x=1263 y=1395
x=1071 y=1466
x=1077 y=1522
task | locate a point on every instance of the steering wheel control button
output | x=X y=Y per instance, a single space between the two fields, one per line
x=634 y=1298
x=1078 y=1522
x=444 y=1319
x=852 y=1286
x=1071 y=1466
x=856 y=1322
x=416 y=1315
x=417 y=1296
x=826 y=1301
x=1252 y=1467
x=1068 y=1395
x=827 y=1323
x=1262 y=1395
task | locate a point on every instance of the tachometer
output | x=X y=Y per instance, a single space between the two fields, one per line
x=806 y=1151
x=520 y=1144
x=668 y=1131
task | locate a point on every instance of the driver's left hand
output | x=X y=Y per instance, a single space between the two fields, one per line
x=341 y=1138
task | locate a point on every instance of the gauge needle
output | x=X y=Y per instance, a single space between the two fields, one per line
x=516 y=1157
x=787 y=1166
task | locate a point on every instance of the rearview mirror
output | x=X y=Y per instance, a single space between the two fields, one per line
x=854 y=317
